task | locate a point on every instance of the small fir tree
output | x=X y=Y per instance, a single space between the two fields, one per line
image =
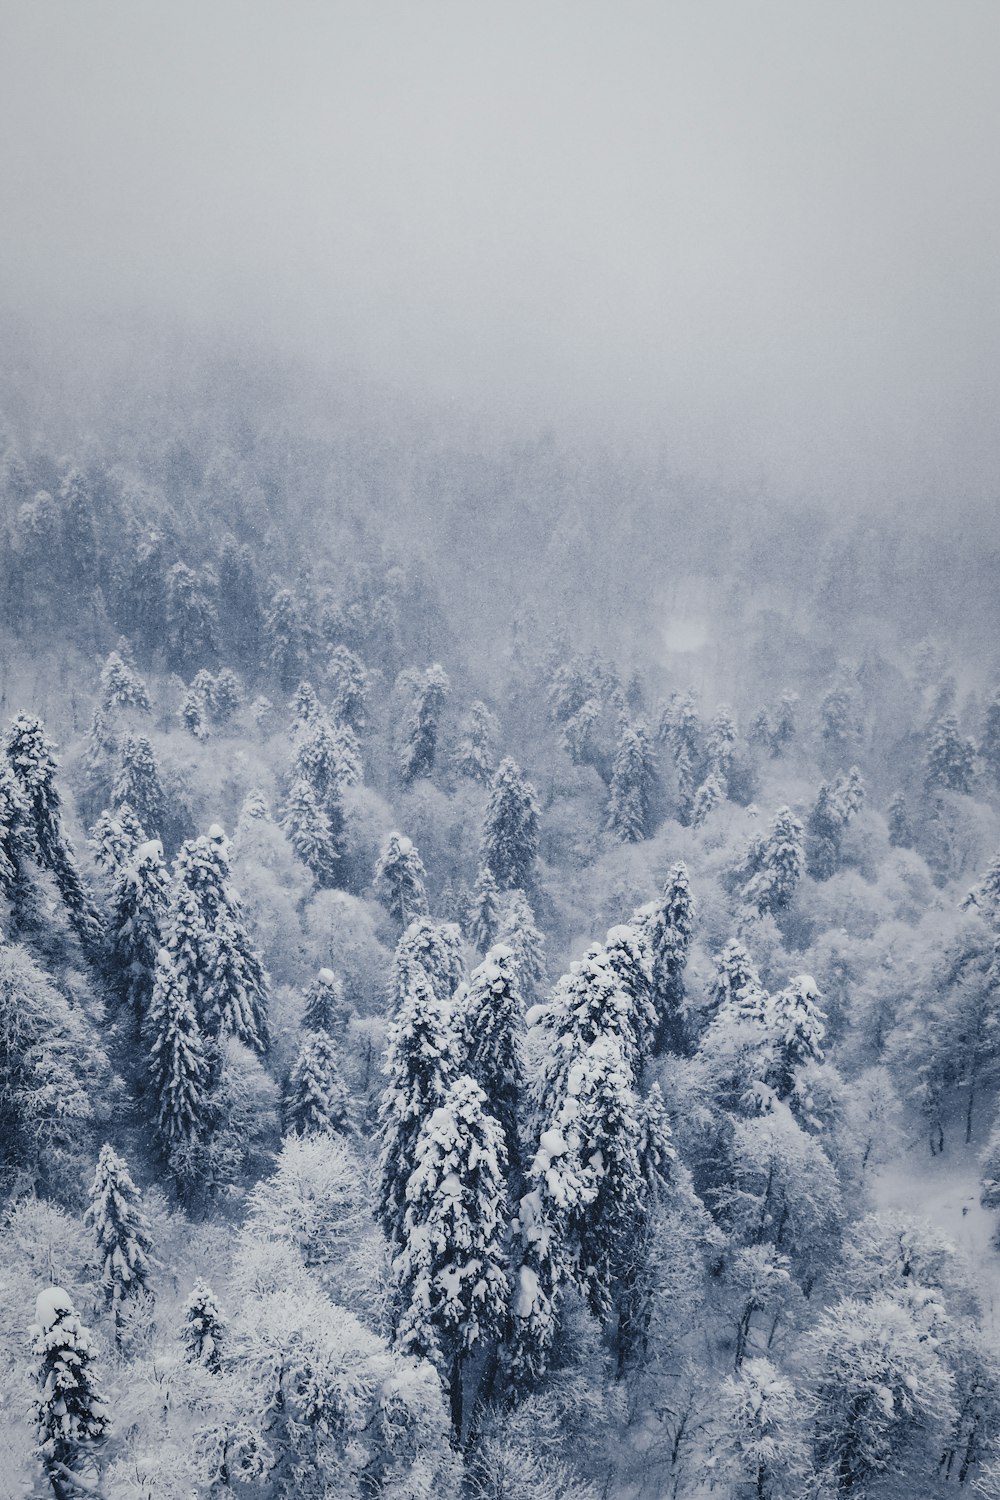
x=309 y=833
x=121 y=1234
x=484 y=911
x=475 y=754
x=898 y=818
x=951 y=758
x=399 y=880
x=325 y=1008
x=71 y=1419
x=204 y=1329
x=315 y=1099
x=671 y=928
x=517 y=931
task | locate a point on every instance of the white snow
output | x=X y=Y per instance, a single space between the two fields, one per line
x=49 y=1304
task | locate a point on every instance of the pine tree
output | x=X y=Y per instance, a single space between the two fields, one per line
x=450 y=1272
x=491 y=1015
x=305 y=706
x=122 y=688
x=671 y=928
x=32 y=761
x=192 y=623
x=114 y=839
x=193 y=713
x=178 y=1066
x=139 y=902
x=285 y=640
x=420 y=748
x=484 y=911
x=121 y=1233
x=510 y=829
x=898 y=818
x=204 y=1330
x=399 y=880
x=824 y=830
x=309 y=833
x=349 y=686
x=71 y=1419
x=226 y=698
x=138 y=783
x=436 y=949
x=782 y=865
x=422 y=1061
x=315 y=1100
x=784 y=729
x=517 y=931
x=475 y=753
x=737 y=989
x=710 y=795
x=951 y=758
x=632 y=780
x=720 y=742
x=680 y=726
x=796 y=1021
x=325 y=1008
x=14 y=839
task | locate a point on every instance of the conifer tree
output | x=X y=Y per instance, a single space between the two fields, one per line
x=14 y=838
x=510 y=829
x=31 y=759
x=781 y=866
x=680 y=726
x=484 y=911
x=450 y=1272
x=710 y=795
x=192 y=623
x=285 y=640
x=824 y=830
x=492 y=1022
x=784 y=729
x=193 y=713
x=315 y=1100
x=632 y=780
x=325 y=1008
x=121 y=686
x=436 y=949
x=475 y=753
x=796 y=1021
x=737 y=989
x=720 y=742
x=121 y=1234
x=305 y=706
x=422 y=1062
x=309 y=833
x=399 y=880
x=349 y=686
x=898 y=818
x=420 y=748
x=138 y=783
x=989 y=744
x=226 y=698
x=71 y=1419
x=517 y=931
x=951 y=758
x=671 y=928
x=204 y=1330
x=178 y=1066
x=139 y=902
x=114 y=839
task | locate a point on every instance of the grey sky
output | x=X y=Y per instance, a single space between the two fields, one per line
x=763 y=234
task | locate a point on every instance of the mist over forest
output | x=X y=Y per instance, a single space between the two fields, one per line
x=499 y=751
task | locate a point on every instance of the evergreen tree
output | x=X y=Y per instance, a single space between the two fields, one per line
x=226 y=698
x=192 y=624
x=178 y=1066
x=193 y=713
x=315 y=1100
x=422 y=726
x=451 y=1269
x=138 y=784
x=517 y=931
x=796 y=1021
x=781 y=865
x=122 y=688
x=240 y=616
x=71 y=1419
x=951 y=758
x=510 y=829
x=14 y=839
x=121 y=1234
x=680 y=726
x=114 y=839
x=325 y=1008
x=285 y=640
x=32 y=761
x=989 y=744
x=139 y=902
x=349 y=686
x=671 y=928
x=399 y=880
x=784 y=729
x=710 y=795
x=422 y=1061
x=79 y=529
x=491 y=1016
x=484 y=911
x=737 y=989
x=309 y=833
x=900 y=828
x=632 y=780
x=825 y=831
x=436 y=949
x=720 y=742
x=204 y=1331
x=475 y=753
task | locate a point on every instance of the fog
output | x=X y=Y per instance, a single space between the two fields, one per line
x=762 y=238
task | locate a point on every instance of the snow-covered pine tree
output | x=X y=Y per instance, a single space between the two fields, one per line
x=518 y=932
x=306 y=707
x=315 y=1098
x=450 y=1272
x=720 y=742
x=484 y=911
x=15 y=842
x=121 y=686
x=898 y=818
x=71 y=1419
x=951 y=758
x=436 y=949
x=492 y=1021
x=114 y=839
x=308 y=829
x=710 y=795
x=781 y=866
x=138 y=783
x=989 y=744
x=671 y=928
x=824 y=832
x=348 y=684
x=510 y=829
x=630 y=957
x=178 y=1067
x=680 y=726
x=32 y=760
x=121 y=1233
x=227 y=697
x=399 y=880
x=422 y=1061
x=204 y=1329
x=635 y=1288
x=633 y=777
x=737 y=989
x=587 y=1003
x=797 y=1023
x=139 y=902
x=325 y=1008
x=420 y=746
x=193 y=713
x=475 y=753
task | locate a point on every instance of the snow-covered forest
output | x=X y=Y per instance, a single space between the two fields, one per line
x=499 y=950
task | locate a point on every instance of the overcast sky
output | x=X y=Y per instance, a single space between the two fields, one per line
x=763 y=234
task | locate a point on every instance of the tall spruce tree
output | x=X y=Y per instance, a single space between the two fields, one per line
x=325 y=1008
x=420 y=746
x=138 y=783
x=781 y=865
x=71 y=1419
x=898 y=818
x=518 y=932
x=309 y=833
x=510 y=829
x=492 y=1022
x=179 y=1069
x=399 y=880
x=484 y=911
x=951 y=758
x=633 y=778
x=671 y=928
x=121 y=1233
x=436 y=949
x=139 y=902
x=475 y=753
x=315 y=1099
